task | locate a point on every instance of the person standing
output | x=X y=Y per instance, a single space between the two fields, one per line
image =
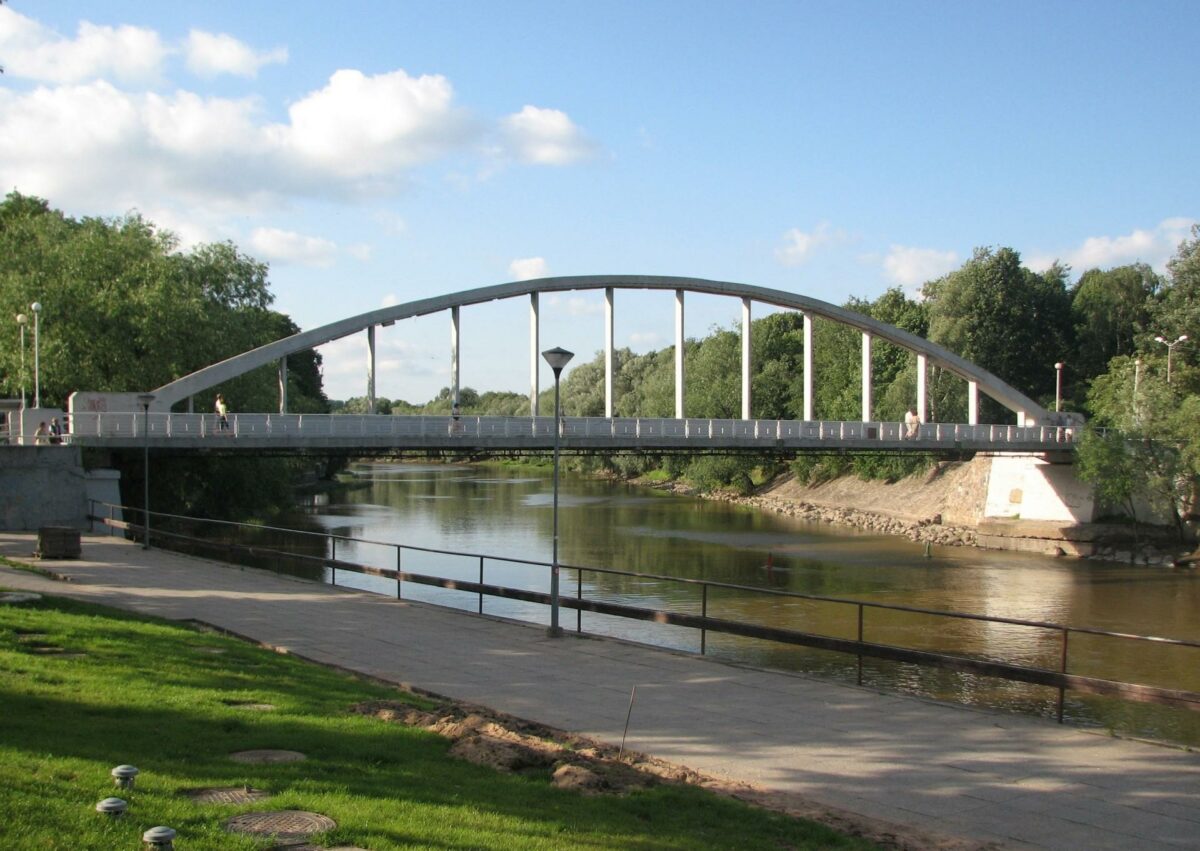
x=222 y=412
x=56 y=431
x=41 y=436
x=911 y=423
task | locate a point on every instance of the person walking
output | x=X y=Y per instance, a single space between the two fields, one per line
x=222 y=412
x=56 y=431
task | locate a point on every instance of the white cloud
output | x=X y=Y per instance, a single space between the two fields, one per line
x=545 y=137
x=211 y=54
x=289 y=247
x=798 y=246
x=528 y=268
x=1153 y=246
x=32 y=51
x=576 y=305
x=646 y=338
x=911 y=267
x=390 y=300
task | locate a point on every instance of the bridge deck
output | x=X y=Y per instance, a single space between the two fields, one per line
x=321 y=432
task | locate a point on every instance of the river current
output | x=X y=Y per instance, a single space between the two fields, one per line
x=508 y=513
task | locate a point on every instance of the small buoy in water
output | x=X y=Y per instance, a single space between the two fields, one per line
x=770 y=560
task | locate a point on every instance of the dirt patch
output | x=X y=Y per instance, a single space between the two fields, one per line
x=511 y=744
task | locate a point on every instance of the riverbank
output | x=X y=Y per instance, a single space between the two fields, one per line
x=946 y=506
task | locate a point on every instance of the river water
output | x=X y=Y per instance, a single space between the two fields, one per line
x=508 y=513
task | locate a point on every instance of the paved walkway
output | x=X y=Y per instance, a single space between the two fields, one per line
x=1018 y=782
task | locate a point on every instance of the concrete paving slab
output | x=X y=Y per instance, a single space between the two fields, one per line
x=1020 y=782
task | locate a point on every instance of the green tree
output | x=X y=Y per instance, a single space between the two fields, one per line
x=1001 y=316
x=1109 y=310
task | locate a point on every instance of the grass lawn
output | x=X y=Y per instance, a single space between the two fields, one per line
x=160 y=696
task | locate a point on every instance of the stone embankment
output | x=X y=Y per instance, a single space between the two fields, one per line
x=926 y=530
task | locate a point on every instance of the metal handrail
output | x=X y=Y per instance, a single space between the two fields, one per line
x=1060 y=679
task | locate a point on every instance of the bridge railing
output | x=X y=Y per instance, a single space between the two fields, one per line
x=856 y=631
x=264 y=427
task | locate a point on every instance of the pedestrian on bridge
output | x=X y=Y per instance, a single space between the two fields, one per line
x=911 y=423
x=222 y=412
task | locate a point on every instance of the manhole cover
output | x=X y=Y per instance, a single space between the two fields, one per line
x=282 y=824
x=267 y=756
x=252 y=707
x=228 y=795
x=19 y=597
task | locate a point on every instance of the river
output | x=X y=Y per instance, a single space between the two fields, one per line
x=508 y=512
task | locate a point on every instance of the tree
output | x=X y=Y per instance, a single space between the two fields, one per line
x=1001 y=316
x=1109 y=309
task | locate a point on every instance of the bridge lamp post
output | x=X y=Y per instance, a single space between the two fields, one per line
x=1170 y=344
x=36 y=307
x=1058 y=368
x=22 y=321
x=557 y=358
x=144 y=399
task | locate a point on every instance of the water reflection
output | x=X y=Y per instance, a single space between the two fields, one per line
x=493 y=512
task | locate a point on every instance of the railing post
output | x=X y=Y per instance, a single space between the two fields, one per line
x=860 y=641
x=1062 y=686
x=579 y=597
x=481 y=582
x=703 y=617
x=332 y=560
x=399 y=572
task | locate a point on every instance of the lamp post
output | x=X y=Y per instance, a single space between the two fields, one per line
x=557 y=358
x=22 y=320
x=1170 y=344
x=1137 y=375
x=36 y=307
x=1058 y=368
x=144 y=399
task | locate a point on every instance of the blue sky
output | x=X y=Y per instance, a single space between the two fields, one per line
x=379 y=152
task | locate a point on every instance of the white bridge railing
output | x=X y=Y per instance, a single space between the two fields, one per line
x=322 y=429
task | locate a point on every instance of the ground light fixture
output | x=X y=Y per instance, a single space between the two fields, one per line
x=124 y=776
x=112 y=807
x=159 y=838
x=557 y=358
x=1058 y=368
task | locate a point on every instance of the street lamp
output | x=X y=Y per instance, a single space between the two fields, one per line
x=1170 y=344
x=1137 y=375
x=144 y=399
x=557 y=358
x=36 y=307
x=1058 y=368
x=22 y=320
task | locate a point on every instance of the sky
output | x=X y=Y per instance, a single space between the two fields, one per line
x=375 y=152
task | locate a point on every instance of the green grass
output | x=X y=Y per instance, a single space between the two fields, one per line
x=156 y=695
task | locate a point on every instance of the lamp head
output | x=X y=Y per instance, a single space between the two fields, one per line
x=22 y=319
x=144 y=399
x=1182 y=337
x=1160 y=340
x=1059 y=365
x=36 y=307
x=557 y=358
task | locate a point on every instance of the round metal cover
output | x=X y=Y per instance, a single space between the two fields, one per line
x=280 y=825
x=267 y=756
x=227 y=795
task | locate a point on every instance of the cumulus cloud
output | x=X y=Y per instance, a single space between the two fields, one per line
x=576 y=305
x=212 y=54
x=289 y=247
x=528 y=268
x=545 y=137
x=911 y=267
x=1153 y=246
x=34 y=52
x=798 y=246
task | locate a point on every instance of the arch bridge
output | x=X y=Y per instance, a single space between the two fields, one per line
x=1035 y=426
